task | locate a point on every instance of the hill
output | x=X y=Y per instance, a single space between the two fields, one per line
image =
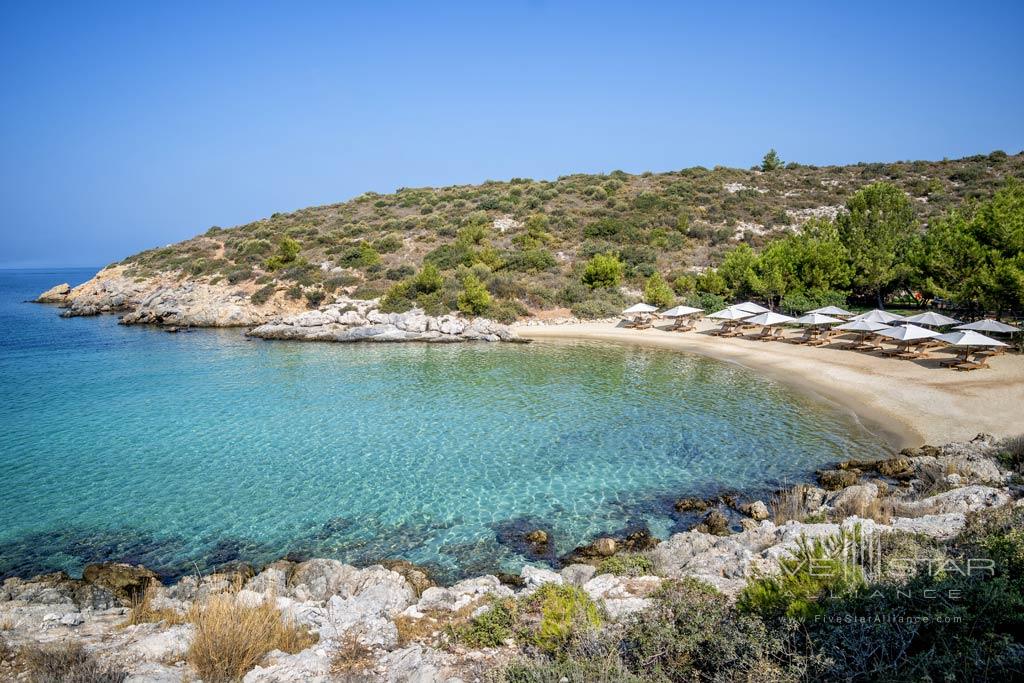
x=524 y=244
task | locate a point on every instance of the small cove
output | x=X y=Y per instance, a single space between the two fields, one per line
x=191 y=450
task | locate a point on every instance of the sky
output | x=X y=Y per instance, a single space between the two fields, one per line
x=125 y=126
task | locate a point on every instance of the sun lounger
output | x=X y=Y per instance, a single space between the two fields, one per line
x=902 y=347
x=806 y=338
x=681 y=325
x=642 y=324
x=774 y=335
x=956 y=360
x=973 y=364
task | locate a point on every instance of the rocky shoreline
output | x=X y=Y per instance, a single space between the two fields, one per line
x=176 y=304
x=401 y=623
x=352 y=320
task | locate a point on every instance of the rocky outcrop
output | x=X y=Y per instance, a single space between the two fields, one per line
x=54 y=295
x=167 y=299
x=361 y=321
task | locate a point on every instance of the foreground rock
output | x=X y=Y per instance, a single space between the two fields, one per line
x=360 y=321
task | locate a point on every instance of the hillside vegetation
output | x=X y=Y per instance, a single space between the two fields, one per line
x=786 y=234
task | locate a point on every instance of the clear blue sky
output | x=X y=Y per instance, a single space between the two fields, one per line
x=127 y=126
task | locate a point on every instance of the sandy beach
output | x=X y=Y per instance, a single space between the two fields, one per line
x=905 y=402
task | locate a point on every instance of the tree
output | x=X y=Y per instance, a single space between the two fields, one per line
x=976 y=255
x=603 y=270
x=657 y=292
x=739 y=270
x=771 y=161
x=474 y=298
x=877 y=229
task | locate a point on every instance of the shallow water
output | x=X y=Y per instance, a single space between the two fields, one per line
x=190 y=450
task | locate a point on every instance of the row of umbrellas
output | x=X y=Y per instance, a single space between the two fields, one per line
x=876 y=321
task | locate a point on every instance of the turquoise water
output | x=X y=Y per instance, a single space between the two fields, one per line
x=134 y=444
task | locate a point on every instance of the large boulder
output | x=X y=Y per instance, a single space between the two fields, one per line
x=126 y=582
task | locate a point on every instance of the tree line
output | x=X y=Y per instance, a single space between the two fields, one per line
x=972 y=256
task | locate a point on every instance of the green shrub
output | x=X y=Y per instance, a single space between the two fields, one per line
x=449 y=256
x=818 y=568
x=362 y=255
x=239 y=275
x=506 y=311
x=263 y=294
x=428 y=280
x=693 y=634
x=340 y=280
x=602 y=271
x=474 y=298
x=287 y=254
x=294 y=292
x=400 y=272
x=626 y=564
x=601 y=307
x=492 y=628
x=388 y=244
x=586 y=668
x=530 y=260
x=315 y=297
x=566 y=612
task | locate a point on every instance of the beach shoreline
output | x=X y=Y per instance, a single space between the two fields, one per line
x=906 y=403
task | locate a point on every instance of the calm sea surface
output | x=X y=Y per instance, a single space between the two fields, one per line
x=190 y=450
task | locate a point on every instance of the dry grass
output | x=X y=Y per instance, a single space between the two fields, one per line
x=232 y=638
x=792 y=503
x=142 y=611
x=881 y=510
x=68 y=663
x=352 y=660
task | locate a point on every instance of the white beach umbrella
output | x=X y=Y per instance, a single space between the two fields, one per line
x=968 y=338
x=680 y=311
x=862 y=326
x=770 y=318
x=879 y=316
x=908 y=333
x=750 y=307
x=988 y=325
x=730 y=313
x=831 y=310
x=933 y=319
x=816 y=319
x=640 y=308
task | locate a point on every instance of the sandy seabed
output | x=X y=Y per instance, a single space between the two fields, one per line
x=906 y=402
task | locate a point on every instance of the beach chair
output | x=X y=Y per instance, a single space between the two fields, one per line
x=976 y=364
x=681 y=325
x=855 y=343
x=902 y=347
x=961 y=357
x=642 y=324
x=774 y=335
x=629 y=322
x=805 y=338
x=764 y=335
x=821 y=338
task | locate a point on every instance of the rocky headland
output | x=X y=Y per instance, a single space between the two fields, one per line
x=181 y=303
x=390 y=622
